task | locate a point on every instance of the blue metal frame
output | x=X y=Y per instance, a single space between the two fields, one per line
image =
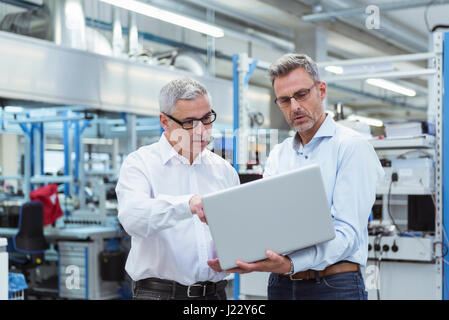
x=42 y=145
x=235 y=78
x=236 y=124
x=65 y=142
x=30 y=132
x=77 y=138
x=86 y=268
x=252 y=68
x=445 y=160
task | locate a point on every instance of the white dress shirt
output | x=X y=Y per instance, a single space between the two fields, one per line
x=153 y=192
x=351 y=171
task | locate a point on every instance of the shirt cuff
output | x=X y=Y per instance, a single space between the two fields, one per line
x=179 y=203
x=303 y=259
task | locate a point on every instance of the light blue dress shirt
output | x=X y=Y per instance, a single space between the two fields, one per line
x=351 y=172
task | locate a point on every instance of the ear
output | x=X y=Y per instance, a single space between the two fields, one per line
x=163 y=119
x=322 y=88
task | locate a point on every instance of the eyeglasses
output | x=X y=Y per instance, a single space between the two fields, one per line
x=300 y=95
x=192 y=123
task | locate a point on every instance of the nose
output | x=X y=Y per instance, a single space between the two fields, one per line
x=199 y=129
x=295 y=105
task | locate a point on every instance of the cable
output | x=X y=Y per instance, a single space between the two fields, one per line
x=426 y=19
x=438 y=26
x=426 y=11
x=424 y=154
x=394 y=178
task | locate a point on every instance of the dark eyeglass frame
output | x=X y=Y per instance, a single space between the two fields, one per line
x=195 y=121
x=304 y=95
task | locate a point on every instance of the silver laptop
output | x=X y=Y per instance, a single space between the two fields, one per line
x=283 y=213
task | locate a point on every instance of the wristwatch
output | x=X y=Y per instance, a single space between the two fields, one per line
x=289 y=273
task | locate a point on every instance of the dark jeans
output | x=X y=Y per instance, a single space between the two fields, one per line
x=343 y=286
x=141 y=293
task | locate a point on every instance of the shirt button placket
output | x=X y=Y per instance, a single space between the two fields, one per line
x=199 y=229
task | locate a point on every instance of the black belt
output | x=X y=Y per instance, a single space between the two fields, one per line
x=196 y=290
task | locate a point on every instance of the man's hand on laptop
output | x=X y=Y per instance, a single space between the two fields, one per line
x=214 y=264
x=196 y=207
x=275 y=263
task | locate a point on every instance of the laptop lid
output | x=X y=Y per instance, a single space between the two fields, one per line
x=284 y=213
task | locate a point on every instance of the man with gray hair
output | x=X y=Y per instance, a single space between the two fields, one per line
x=159 y=200
x=351 y=171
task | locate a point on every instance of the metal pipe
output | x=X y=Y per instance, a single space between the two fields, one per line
x=46 y=119
x=391 y=75
x=395 y=58
x=117 y=35
x=394 y=34
x=211 y=46
x=51 y=179
x=133 y=35
x=277 y=29
x=361 y=10
x=375 y=97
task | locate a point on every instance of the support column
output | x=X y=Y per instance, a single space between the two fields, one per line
x=131 y=134
x=211 y=46
x=117 y=35
x=133 y=36
x=313 y=42
x=9 y=157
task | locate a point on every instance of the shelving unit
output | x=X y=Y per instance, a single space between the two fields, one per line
x=415 y=268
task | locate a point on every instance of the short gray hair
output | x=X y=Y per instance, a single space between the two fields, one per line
x=291 y=61
x=180 y=89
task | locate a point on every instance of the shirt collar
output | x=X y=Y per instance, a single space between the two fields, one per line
x=166 y=149
x=327 y=129
x=168 y=152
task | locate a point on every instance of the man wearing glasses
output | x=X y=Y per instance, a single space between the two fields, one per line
x=351 y=171
x=159 y=198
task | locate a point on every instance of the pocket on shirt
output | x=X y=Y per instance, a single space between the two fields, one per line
x=342 y=281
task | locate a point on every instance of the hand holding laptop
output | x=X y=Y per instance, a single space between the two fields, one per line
x=275 y=263
x=196 y=207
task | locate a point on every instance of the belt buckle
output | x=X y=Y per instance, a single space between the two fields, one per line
x=293 y=279
x=196 y=285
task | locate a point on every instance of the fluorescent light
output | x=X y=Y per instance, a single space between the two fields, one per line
x=167 y=16
x=334 y=69
x=371 y=121
x=98 y=141
x=13 y=109
x=54 y=146
x=391 y=86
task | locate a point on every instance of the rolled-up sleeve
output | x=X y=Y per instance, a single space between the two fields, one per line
x=358 y=175
x=139 y=212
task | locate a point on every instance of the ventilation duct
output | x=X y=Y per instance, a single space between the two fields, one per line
x=190 y=62
x=34 y=23
x=68 y=23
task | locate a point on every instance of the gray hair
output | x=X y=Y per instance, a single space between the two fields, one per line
x=291 y=61
x=180 y=89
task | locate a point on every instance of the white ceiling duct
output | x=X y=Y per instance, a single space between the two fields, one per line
x=97 y=42
x=190 y=62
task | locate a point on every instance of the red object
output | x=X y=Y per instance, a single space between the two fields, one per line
x=48 y=195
